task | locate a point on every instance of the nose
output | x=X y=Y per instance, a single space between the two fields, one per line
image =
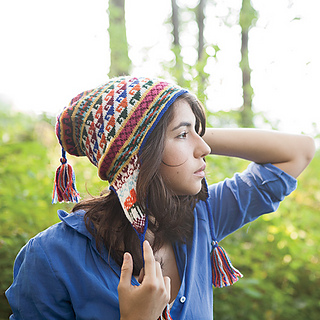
x=202 y=149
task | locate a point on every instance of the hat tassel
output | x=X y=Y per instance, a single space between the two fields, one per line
x=223 y=273
x=64 y=183
x=165 y=314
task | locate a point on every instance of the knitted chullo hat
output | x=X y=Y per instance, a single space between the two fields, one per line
x=110 y=125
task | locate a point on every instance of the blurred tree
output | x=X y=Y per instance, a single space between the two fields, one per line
x=191 y=76
x=200 y=23
x=176 y=47
x=201 y=42
x=120 y=61
x=247 y=19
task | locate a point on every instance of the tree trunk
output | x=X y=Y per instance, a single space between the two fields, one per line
x=201 y=58
x=175 y=22
x=200 y=22
x=176 y=47
x=247 y=19
x=120 y=62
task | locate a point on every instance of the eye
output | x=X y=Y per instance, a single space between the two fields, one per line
x=182 y=135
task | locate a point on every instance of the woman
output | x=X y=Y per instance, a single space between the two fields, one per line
x=149 y=247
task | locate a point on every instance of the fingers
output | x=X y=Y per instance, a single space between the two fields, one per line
x=126 y=271
x=151 y=296
x=149 y=261
x=141 y=276
x=154 y=278
x=167 y=283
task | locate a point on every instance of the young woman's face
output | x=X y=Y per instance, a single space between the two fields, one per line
x=183 y=165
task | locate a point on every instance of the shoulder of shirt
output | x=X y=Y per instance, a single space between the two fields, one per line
x=71 y=228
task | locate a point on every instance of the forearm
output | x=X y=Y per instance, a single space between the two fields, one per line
x=290 y=152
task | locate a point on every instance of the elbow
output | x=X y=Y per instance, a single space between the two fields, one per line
x=306 y=154
x=303 y=152
x=309 y=149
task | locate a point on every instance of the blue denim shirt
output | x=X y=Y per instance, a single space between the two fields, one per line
x=59 y=274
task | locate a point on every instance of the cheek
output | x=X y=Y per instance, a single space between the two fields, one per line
x=171 y=175
x=174 y=156
x=167 y=172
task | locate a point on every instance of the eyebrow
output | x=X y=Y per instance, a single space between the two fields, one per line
x=182 y=124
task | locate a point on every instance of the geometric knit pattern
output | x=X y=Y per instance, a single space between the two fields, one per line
x=110 y=124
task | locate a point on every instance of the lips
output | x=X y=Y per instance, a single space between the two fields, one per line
x=201 y=171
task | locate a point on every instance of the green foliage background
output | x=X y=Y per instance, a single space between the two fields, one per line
x=278 y=254
x=29 y=156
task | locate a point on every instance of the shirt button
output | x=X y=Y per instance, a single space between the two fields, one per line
x=183 y=299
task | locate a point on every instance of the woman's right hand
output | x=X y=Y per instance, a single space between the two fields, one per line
x=147 y=301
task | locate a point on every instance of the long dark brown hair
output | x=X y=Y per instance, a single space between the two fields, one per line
x=170 y=216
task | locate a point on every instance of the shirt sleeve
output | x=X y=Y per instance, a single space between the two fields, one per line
x=256 y=191
x=36 y=293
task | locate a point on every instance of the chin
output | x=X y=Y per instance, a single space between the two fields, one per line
x=189 y=192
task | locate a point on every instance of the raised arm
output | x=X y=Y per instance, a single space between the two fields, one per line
x=289 y=152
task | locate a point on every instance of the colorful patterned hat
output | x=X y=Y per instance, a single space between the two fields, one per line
x=110 y=125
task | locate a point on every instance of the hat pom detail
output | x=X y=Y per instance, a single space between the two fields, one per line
x=223 y=273
x=64 y=183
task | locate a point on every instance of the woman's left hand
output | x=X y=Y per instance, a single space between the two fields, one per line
x=147 y=301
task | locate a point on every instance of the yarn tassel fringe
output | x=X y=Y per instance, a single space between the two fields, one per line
x=165 y=314
x=223 y=273
x=64 y=183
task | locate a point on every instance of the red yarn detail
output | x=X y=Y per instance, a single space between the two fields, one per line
x=130 y=200
x=64 y=184
x=223 y=273
x=165 y=314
